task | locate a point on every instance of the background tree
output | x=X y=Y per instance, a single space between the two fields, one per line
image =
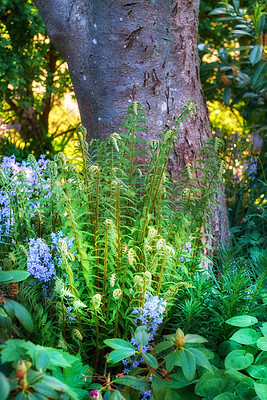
x=122 y=51
x=31 y=74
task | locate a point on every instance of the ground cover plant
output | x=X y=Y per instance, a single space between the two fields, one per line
x=106 y=259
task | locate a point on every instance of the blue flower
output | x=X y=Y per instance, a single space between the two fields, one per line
x=39 y=261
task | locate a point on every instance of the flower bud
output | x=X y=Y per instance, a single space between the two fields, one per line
x=179 y=337
x=21 y=369
x=95 y=395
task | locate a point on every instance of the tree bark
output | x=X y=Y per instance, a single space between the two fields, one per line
x=120 y=51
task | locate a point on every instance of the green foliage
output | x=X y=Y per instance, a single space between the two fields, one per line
x=10 y=308
x=129 y=237
x=234 y=286
x=31 y=371
x=32 y=77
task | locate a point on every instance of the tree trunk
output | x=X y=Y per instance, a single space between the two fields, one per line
x=119 y=51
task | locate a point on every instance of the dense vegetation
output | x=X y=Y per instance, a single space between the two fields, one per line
x=108 y=289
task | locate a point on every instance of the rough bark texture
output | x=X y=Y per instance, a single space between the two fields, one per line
x=119 y=51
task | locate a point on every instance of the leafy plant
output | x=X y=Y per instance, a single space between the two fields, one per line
x=10 y=308
x=31 y=371
x=98 y=235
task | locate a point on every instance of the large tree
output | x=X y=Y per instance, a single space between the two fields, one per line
x=119 y=51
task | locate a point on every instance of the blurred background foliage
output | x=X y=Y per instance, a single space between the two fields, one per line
x=39 y=112
x=34 y=81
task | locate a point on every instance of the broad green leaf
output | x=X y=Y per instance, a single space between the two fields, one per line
x=9 y=308
x=171 y=360
x=3 y=313
x=163 y=346
x=228 y=346
x=258 y=75
x=227 y=92
x=238 y=359
x=257 y=371
x=159 y=388
x=172 y=395
x=4 y=387
x=134 y=382
x=42 y=360
x=36 y=396
x=118 y=344
x=262 y=343
x=23 y=396
x=190 y=338
x=218 y=11
x=210 y=385
x=45 y=390
x=22 y=314
x=226 y=396
x=263 y=328
x=261 y=390
x=18 y=276
x=170 y=338
x=13 y=350
x=246 y=336
x=5 y=323
x=150 y=360
x=188 y=364
x=118 y=355
x=141 y=335
x=239 y=32
x=242 y=321
x=178 y=380
x=201 y=359
x=5 y=276
x=117 y=395
x=255 y=54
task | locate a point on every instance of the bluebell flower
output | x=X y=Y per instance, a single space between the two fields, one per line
x=150 y=316
x=71 y=316
x=39 y=261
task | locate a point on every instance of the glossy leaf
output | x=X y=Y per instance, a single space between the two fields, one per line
x=118 y=344
x=226 y=396
x=190 y=338
x=227 y=92
x=42 y=360
x=257 y=371
x=201 y=359
x=4 y=387
x=134 y=382
x=45 y=390
x=261 y=390
x=188 y=364
x=171 y=359
x=242 y=321
x=238 y=359
x=118 y=355
x=263 y=329
x=246 y=336
x=255 y=54
x=5 y=276
x=117 y=395
x=262 y=343
x=150 y=360
x=163 y=346
x=159 y=388
x=22 y=314
x=141 y=335
x=210 y=385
